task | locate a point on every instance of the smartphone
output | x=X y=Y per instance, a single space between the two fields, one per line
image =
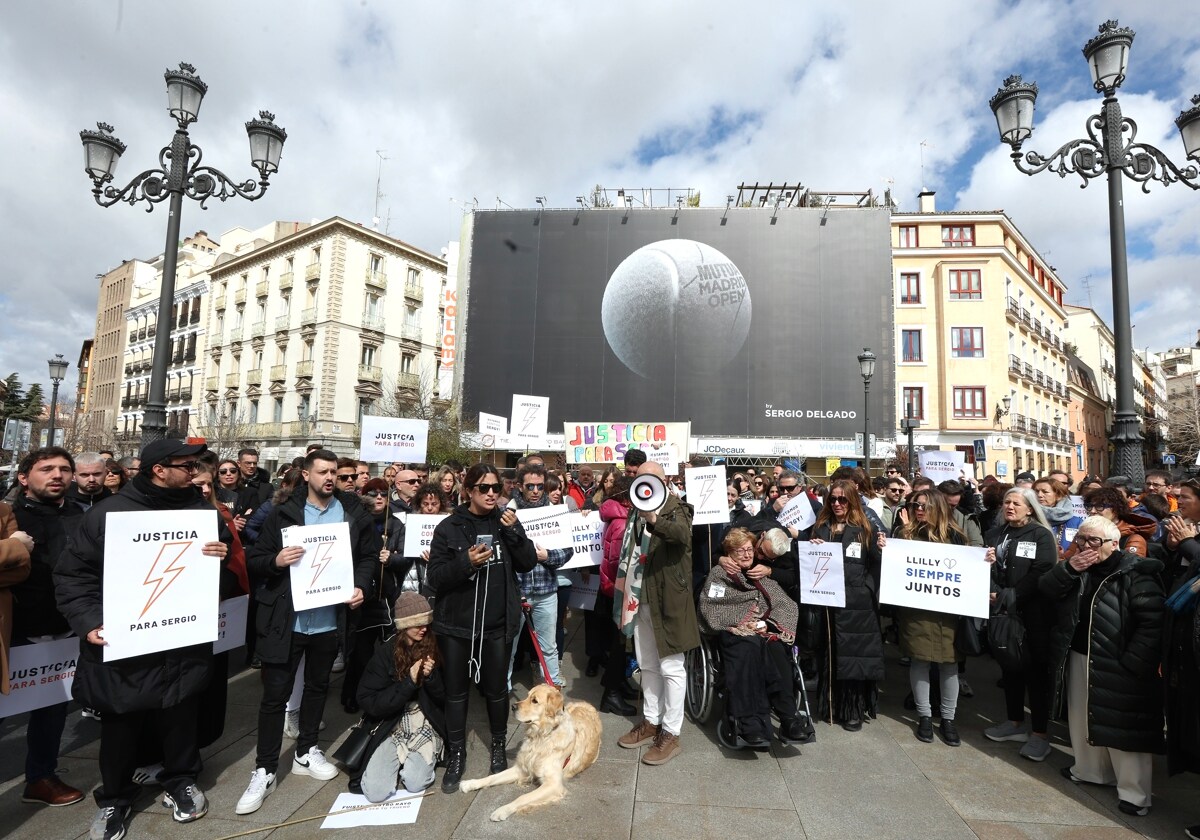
x=484 y=539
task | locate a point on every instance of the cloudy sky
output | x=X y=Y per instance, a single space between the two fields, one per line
x=507 y=101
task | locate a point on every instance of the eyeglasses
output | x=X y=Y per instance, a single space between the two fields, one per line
x=759 y=483
x=838 y=500
x=535 y=487
x=408 y=481
x=788 y=488
x=345 y=477
x=1091 y=542
x=1155 y=485
x=918 y=506
x=895 y=489
x=893 y=472
x=190 y=466
x=1099 y=507
x=496 y=487
x=373 y=494
x=225 y=471
x=746 y=549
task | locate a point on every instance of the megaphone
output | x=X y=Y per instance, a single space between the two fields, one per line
x=648 y=492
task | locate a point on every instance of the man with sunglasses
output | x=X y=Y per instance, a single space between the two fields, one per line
x=155 y=692
x=406 y=484
x=894 y=493
x=789 y=487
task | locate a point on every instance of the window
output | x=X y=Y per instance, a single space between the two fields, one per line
x=277 y=414
x=908 y=236
x=372 y=308
x=966 y=284
x=304 y=406
x=368 y=356
x=376 y=263
x=406 y=363
x=253 y=411
x=966 y=342
x=308 y=351
x=411 y=317
x=914 y=403
x=910 y=288
x=414 y=276
x=958 y=236
x=364 y=407
x=969 y=403
x=910 y=342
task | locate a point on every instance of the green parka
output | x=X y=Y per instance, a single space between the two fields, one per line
x=667 y=580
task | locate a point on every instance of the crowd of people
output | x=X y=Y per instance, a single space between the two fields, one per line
x=1094 y=614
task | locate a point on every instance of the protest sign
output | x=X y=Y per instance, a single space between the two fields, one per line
x=388 y=439
x=939 y=466
x=39 y=675
x=350 y=810
x=160 y=592
x=418 y=532
x=547 y=525
x=325 y=574
x=606 y=443
x=530 y=416
x=941 y=577
x=587 y=538
x=752 y=506
x=822 y=574
x=1078 y=508
x=583 y=592
x=231 y=623
x=492 y=424
x=706 y=494
x=798 y=513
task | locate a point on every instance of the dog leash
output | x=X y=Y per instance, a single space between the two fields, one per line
x=527 y=608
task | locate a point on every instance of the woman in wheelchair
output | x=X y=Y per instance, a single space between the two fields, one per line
x=754 y=623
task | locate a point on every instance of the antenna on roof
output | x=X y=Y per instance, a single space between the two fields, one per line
x=1086 y=282
x=378 y=181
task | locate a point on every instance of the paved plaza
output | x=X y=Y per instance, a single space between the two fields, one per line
x=877 y=783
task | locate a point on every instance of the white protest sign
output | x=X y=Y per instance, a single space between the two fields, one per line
x=752 y=506
x=583 y=592
x=822 y=574
x=400 y=808
x=664 y=456
x=1078 y=508
x=587 y=538
x=940 y=466
x=390 y=439
x=798 y=513
x=530 y=416
x=231 y=623
x=492 y=424
x=160 y=591
x=39 y=675
x=941 y=577
x=706 y=493
x=547 y=525
x=418 y=532
x=325 y=574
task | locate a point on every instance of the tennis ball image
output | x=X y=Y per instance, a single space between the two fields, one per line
x=676 y=304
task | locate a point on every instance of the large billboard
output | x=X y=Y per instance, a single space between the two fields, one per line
x=744 y=322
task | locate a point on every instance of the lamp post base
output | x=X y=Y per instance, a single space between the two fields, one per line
x=1126 y=440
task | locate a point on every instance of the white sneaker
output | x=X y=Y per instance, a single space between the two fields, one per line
x=339 y=664
x=291 y=725
x=313 y=764
x=262 y=785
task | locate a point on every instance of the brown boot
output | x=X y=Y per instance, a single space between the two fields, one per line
x=51 y=791
x=642 y=734
x=666 y=746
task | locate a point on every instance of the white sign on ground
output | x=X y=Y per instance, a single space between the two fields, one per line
x=351 y=810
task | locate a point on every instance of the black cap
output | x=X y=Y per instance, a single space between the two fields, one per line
x=1026 y=476
x=161 y=450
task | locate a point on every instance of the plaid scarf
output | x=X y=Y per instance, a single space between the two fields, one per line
x=630 y=571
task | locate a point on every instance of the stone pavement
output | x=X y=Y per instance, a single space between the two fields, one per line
x=877 y=783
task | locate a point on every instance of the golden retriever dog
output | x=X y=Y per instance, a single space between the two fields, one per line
x=560 y=742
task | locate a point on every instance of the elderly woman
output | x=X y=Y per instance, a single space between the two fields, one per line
x=754 y=622
x=1105 y=651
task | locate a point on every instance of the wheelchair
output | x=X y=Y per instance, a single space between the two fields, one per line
x=705 y=691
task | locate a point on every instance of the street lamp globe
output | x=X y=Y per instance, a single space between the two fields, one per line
x=185 y=92
x=866 y=364
x=1108 y=56
x=1189 y=129
x=266 y=143
x=58 y=368
x=1013 y=107
x=101 y=151
x=1007 y=400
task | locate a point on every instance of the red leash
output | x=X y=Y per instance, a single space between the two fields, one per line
x=528 y=610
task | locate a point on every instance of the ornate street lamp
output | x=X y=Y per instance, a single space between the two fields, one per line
x=179 y=173
x=1111 y=149
x=58 y=370
x=866 y=366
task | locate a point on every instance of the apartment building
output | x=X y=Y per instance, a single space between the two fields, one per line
x=979 y=352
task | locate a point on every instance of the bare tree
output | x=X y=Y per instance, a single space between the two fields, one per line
x=225 y=429
x=1183 y=421
x=404 y=397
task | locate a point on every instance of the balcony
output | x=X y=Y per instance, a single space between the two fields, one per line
x=1012 y=310
x=373 y=322
x=1014 y=365
x=308 y=317
x=376 y=279
x=414 y=291
x=254 y=377
x=151 y=330
x=235 y=335
x=304 y=368
x=282 y=323
x=215 y=342
x=219 y=303
x=210 y=383
x=408 y=381
x=1036 y=326
x=232 y=380
x=260 y=289
x=278 y=373
x=312 y=271
x=194 y=318
x=285 y=281
x=370 y=373
x=1026 y=319
x=239 y=296
x=409 y=332
x=257 y=329
x=266 y=430
x=1028 y=371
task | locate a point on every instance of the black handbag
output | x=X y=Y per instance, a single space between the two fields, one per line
x=1006 y=637
x=363 y=739
x=968 y=640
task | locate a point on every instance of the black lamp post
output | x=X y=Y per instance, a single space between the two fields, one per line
x=58 y=370
x=866 y=366
x=179 y=174
x=1109 y=149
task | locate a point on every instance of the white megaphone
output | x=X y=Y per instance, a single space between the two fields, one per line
x=648 y=492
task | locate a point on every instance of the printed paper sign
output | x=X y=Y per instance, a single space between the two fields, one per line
x=547 y=526
x=583 y=592
x=160 y=591
x=400 y=808
x=706 y=493
x=752 y=506
x=1078 y=508
x=942 y=466
x=39 y=675
x=606 y=443
x=822 y=574
x=385 y=440
x=941 y=577
x=492 y=424
x=231 y=624
x=587 y=538
x=798 y=513
x=530 y=416
x=325 y=574
x=418 y=532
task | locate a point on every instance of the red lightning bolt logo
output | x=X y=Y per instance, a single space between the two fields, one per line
x=821 y=570
x=321 y=558
x=174 y=550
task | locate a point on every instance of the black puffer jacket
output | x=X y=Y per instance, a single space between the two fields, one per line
x=35 y=612
x=453 y=578
x=273 y=594
x=1125 y=615
x=857 y=639
x=150 y=681
x=381 y=695
x=1020 y=574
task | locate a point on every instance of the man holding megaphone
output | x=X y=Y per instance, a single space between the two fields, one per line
x=655 y=603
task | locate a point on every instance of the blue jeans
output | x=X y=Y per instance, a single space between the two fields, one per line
x=379 y=777
x=545 y=624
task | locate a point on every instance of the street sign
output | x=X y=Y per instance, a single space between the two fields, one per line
x=980 y=449
x=858 y=447
x=17 y=434
x=1169 y=459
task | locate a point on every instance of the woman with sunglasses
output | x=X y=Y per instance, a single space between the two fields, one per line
x=850 y=657
x=229 y=483
x=1137 y=529
x=114 y=475
x=1021 y=549
x=758 y=487
x=473 y=560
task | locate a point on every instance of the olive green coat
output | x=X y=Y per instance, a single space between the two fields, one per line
x=927 y=636
x=667 y=581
